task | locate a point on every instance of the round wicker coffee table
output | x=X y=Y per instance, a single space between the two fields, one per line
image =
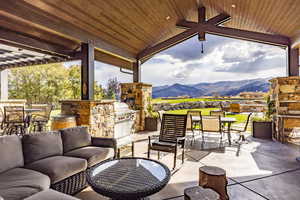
x=128 y=178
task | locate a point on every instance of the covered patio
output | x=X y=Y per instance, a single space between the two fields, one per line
x=126 y=34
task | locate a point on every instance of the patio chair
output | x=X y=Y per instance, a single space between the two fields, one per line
x=242 y=129
x=193 y=121
x=211 y=124
x=41 y=117
x=172 y=136
x=14 y=120
x=160 y=114
x=217 y=113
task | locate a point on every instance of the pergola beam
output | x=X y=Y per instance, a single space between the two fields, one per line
x=21 y=9
x=19 y=40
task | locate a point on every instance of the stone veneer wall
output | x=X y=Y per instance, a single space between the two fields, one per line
x=285 y=92
x=102 y=120
x=94 y=114
x=138 y=97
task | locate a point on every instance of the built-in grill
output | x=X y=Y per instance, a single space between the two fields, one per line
x=113 y=120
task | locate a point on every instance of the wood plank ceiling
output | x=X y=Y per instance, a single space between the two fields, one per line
x=126 y=27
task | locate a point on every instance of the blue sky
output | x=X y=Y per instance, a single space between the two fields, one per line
x=223 y=59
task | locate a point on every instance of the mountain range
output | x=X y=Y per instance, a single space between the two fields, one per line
x=223 y=88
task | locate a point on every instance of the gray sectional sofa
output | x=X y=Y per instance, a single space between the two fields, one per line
x=31 y=165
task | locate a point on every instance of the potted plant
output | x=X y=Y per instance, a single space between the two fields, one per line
x=262 y=127
x=151 y=119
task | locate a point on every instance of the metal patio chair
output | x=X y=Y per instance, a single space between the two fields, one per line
x=193 y=121
x=211 y=124
x=14 y=120
x=40 y=118
x=217 y=113
x=172 y=136
x=242 y=129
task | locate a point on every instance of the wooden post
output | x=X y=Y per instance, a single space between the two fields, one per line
x=137 y=72
x=293 y=61
x=4 y=84
x=201 y=19
x=87 y=71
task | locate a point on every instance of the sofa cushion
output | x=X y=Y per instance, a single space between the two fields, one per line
x=76 y=137
x=41 y=145
x=92 y=154
x=11 y=154
x=19 y=183
x=58 y=167
x=51 y=195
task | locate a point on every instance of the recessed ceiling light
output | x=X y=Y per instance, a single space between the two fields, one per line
x=168 y=17
x=233 y=5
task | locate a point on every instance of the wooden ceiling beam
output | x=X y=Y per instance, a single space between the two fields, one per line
x=166 y=44
x=109 y=59
x=272 y=39
x=201 y=19
x=21 y=9
x=217 y=20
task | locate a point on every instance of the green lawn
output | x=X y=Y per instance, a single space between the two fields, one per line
x=205 y=111
x=160 y=100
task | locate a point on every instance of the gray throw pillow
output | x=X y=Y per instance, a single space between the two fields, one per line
x=41 y=145
x=76 y=137
x=11 y=154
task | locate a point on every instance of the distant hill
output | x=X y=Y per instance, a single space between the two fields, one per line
x=223 y=88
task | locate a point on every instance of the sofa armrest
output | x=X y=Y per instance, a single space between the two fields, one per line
x=105 y=142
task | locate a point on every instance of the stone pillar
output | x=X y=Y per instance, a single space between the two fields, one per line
x=138 y=97
x=4 y=84
x=285 y=94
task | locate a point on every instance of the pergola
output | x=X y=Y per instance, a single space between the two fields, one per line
x=127 y=33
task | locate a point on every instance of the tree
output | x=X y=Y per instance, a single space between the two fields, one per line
x=113 y=89
x=47 y=83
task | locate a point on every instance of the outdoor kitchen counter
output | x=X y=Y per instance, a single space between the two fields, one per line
x=82 y=109
x=105 y=118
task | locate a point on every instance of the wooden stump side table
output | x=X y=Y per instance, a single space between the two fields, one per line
x=214 y=178
x=198 y=192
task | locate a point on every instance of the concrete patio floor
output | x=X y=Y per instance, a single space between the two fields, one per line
x=259 y=169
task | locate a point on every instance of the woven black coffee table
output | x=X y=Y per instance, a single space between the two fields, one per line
x=128 y=178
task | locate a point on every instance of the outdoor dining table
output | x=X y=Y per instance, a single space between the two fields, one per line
x=224 y=120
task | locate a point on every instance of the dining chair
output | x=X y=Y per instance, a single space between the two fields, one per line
x=14 y=120
x=211 y=124
x=160 y=114
x=41 y=116
x=171 y=137
x=242 y=129
x=193 y=121
x=217 y=113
